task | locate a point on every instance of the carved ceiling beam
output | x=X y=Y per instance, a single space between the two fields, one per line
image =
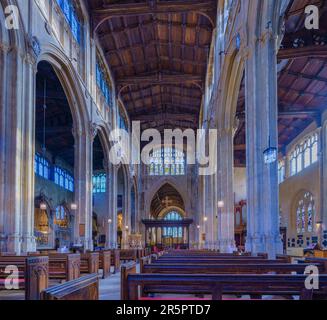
x=159 y=79
x=162 y=116
x=206 y=8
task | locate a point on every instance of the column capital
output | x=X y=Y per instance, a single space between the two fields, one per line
x=5 y=48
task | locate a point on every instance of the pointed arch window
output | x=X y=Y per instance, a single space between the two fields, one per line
x=42 y=167
x=304 y=154
x=305 y=214
x=99 y=183
x=61 y=217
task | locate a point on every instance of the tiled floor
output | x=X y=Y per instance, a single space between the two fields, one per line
x=110 y=287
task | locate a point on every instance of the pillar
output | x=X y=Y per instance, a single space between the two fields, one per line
x=225 y=159
x=83 y=187
x=17 y=117
x=261 y=124
x=112 y=188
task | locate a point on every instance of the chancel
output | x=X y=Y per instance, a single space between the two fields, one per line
x=242 y=85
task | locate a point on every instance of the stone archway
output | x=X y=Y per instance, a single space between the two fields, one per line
x=82 y=132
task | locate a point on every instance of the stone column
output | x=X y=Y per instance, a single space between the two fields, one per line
x=127 y=210
x=322 y=142
x=261 y=125
x=112 y=185
x=28 y=145
x=17 y=116
x=83 y=187
x=225 y=214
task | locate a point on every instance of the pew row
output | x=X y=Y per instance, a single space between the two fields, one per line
x=219 y=285
x=64 y=266
x=33 y=274
x=105 y=263
x=83 y=288
x=90 y=262
x=127 y=255
x=277 y=268
x=115 y=259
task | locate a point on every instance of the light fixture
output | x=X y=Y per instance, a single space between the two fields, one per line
x=221 y=204
x=270 y=154
x=43 y=206
x=205 y=219
x=73 y=206
x=109 y=221
x=126 y=227
x=319 y=223
x=198 y=227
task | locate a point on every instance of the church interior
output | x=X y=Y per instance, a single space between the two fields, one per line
x=251 y=74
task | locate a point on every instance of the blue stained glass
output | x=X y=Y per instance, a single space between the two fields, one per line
x=99 y=183
x=68 y=10
x=42 y=167
x=102 y=84
x=167 y=161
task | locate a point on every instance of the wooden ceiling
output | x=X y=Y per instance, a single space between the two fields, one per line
x=158 y=52
x=302 y=81
x=166 y=192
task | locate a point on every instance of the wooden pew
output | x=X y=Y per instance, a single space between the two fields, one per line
x=262 y=255
x=277 y=268
x=64 y=266
x=284 y=257
x=126 y=269
x=33 y=274
x=105 y=263
x=90 y=262
x=115 y=259
x=127 y=255
x=83 y=288
x=322 y=261
x=207 y=261
x=217 y=285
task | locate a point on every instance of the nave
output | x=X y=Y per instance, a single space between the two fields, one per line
x=97 y=203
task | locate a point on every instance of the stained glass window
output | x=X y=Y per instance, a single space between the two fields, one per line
x=122 y=122
x=60 y=213
x=281 y=171
x=167 y=162
x=71 y=16
x=173 y=216
x=64 y=179
x=103 y=83
x=304 y=154
x=305 y=213
x=42 y=167
x=174 y=232
x=99 y=183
